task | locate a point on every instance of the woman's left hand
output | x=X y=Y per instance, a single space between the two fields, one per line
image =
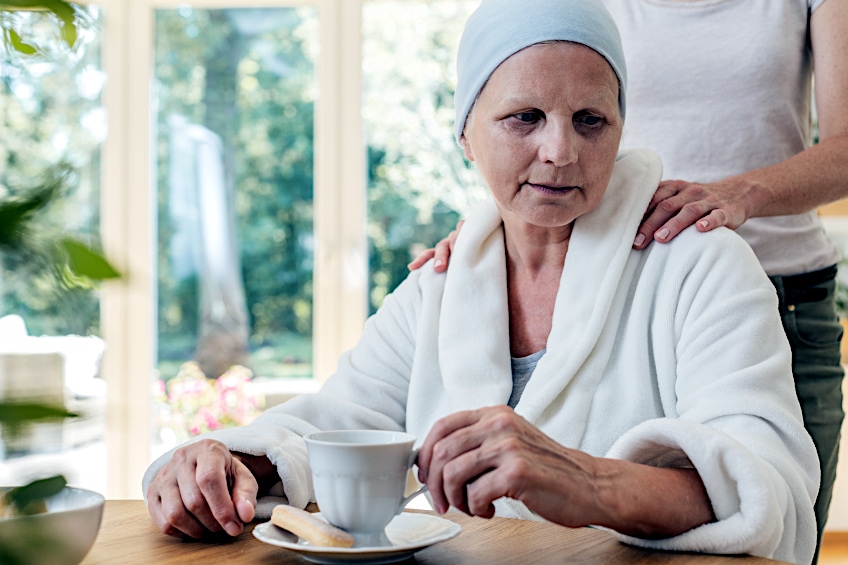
x=678 y=204
x=470 y=459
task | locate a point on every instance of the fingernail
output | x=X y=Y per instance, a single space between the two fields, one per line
x=232 y=528
x=438 y=263
x=640 y=239
x=662 y=234
x=704 y=224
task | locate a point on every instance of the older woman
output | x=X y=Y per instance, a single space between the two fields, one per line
x=554 y=372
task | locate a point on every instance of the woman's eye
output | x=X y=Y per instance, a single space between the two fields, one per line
x=527 y=117
x=588 y=120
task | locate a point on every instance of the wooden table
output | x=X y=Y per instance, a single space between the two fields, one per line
x=128 y=536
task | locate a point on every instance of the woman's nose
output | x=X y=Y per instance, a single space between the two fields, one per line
x=558 y=145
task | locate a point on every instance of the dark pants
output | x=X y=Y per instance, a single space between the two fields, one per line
x=808 y=311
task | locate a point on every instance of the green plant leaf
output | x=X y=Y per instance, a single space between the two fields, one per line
x=86 y=262
x=16 y=213
x=14 y=414
x=14 y=216
x=28 y=499
x=19 y=44
x=63 y=10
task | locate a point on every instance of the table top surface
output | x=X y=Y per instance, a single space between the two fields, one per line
x=127 y=535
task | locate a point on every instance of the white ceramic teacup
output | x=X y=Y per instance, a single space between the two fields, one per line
x=359 y=477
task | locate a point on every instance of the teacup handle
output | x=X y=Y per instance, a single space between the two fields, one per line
x=406 y=499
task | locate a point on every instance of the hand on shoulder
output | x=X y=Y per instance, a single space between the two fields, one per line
x=678 y=204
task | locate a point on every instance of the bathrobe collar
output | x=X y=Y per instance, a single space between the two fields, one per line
x=477 y=372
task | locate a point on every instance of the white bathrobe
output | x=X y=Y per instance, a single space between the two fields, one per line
x=670 y=356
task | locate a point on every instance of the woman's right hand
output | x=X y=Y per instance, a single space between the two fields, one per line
x=202 y=490
x=472 y=458
x=442 y=252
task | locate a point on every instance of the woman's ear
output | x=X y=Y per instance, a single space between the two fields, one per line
x=466 y=147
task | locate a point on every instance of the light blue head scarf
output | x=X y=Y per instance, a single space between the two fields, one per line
x=501 y=28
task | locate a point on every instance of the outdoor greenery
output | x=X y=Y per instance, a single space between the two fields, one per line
x=248 y=76
x=260 y=104
x=419 y=184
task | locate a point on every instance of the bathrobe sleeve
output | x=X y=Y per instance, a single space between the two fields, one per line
x=729 y=389
x=368 y=391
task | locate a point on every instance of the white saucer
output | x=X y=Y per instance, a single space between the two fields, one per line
x=407 y=533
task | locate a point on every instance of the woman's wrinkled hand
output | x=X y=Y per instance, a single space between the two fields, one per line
x=203 y=490
x=442 y=252
x=678 y=204
x=470 y=459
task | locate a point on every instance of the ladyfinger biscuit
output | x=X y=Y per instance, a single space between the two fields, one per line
x=310 y=528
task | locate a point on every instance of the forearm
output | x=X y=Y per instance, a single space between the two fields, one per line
x=812 y=178
x=651 y=502
x=575 y=489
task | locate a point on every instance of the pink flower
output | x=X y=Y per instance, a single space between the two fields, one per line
x=191 y=404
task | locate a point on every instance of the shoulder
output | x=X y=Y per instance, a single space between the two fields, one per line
x=720 y=244
x=709 y=282
x=420 y=284
x=719 y=257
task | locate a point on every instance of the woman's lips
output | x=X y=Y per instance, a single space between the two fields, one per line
x=550 y=189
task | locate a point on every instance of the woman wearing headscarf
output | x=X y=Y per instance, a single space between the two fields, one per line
x=722 y=91
x=554 y=372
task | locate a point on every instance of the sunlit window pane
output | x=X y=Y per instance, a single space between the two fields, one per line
x=418 y=182
x=234 y=96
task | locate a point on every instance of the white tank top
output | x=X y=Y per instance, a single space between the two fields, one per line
x=721 y=87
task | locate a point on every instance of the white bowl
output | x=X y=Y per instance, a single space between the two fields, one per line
x=61 y=536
